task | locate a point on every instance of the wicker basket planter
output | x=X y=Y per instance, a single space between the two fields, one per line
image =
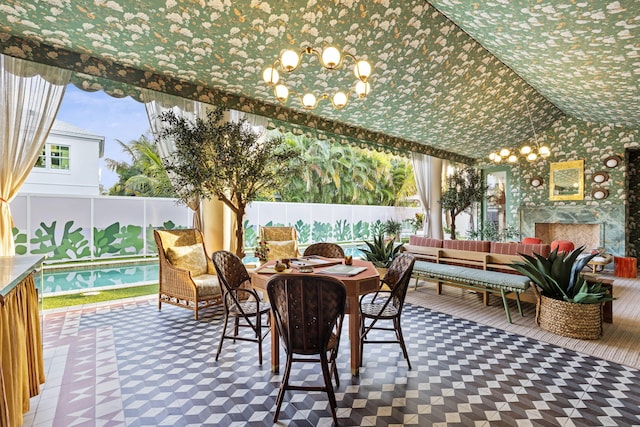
x=568 y=319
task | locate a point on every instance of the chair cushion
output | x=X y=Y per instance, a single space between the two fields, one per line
x=207 y=285
x=190 y=258
x=284 y=249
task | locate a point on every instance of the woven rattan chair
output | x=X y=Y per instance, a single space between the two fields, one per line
x=327 y=250
x=281 y=241
x=240 y=301
x=182 y=281
x=308 y=311
x=386 y=305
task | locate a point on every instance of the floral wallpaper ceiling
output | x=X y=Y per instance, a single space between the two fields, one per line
x=433 y=86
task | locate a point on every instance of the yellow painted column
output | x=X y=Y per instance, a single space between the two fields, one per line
x=213 y=224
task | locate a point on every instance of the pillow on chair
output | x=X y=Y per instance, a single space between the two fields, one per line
x=284 y=249
x=190 y=258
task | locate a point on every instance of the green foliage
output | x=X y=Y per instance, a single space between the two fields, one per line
x=304 y=231
x=381 y=254
x=392 y=228
x=130 y=240
x=228 y=161
x=558 y=276
x=417 y=221
x=377 y=228
x=145 y=176
x=361 y=230
x=151 y=242
x=322 y=231
x=489 y=231
x=463 y=188
x=343 y=174
x=104 y=240
x=342 y=231
x=20 y=241
x=72 y=245
x=250 y=235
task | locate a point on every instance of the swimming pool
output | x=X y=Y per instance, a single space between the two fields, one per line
x=62 y=280
x=96 y=277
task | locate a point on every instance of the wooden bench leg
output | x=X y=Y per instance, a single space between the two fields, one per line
x=439 y=287
x=506 y=305
x=485 y=298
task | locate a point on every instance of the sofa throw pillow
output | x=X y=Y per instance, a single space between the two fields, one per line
x=190 y=258
x=279 y=250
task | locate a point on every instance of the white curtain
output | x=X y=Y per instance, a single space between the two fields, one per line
x=31 y=94
x=421 y=176
x=157 y=103
x=427 y=171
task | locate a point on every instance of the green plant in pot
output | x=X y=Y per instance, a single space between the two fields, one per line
x=568 y=304
x=381 y=253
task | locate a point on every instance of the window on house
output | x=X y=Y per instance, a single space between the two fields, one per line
x=54 y=156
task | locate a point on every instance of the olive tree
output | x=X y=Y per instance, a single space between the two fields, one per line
x=226 y=160
x=463 y=189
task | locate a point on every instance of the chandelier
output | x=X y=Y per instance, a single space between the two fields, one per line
x=528 y=152
x=331 y=59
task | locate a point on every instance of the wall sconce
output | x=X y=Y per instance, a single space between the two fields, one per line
x=536 y=181
x=600 y=177
x=612 y=161
x=599 y=193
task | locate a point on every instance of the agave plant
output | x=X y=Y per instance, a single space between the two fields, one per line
x=558 y=276
x=380 y=253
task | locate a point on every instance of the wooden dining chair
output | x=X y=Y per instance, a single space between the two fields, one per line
x=308 y=312
x=240 y=301
x=327 y=250
x=386 y=305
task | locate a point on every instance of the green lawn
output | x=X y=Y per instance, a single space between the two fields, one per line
x=107 y=295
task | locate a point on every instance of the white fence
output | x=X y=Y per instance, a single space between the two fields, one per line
x=67 y=228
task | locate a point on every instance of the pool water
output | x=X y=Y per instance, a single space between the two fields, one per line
x=57 y=281
x=96 y=277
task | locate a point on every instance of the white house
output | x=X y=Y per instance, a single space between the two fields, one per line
x=69 y=163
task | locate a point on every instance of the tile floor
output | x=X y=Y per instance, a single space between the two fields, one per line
x=127 y=364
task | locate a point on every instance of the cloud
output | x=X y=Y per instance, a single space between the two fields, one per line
x=124 y=119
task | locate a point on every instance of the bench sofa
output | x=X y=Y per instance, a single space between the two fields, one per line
x=482 y=266
x=479 y=265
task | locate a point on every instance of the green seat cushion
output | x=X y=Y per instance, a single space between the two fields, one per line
x=473 y=276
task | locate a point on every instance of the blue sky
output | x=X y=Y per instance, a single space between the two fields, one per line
x=124 y=119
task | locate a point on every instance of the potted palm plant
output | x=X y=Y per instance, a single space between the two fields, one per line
x=568 y=304
x=381 y=253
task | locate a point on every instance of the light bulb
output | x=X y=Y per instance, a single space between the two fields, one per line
x=339 y=100
x=497 y=159
x=544 y=151
x=282 y=93
x=289 y=60
x=270 y=75
x=512 y=158
x=532 y=156
x=362 y=70
x=525 y=150
x=309 y=101
x=331 y=57
x=492 y=156
x=362 y=89
x=504 y=152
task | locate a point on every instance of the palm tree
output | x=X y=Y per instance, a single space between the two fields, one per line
x=145 y=176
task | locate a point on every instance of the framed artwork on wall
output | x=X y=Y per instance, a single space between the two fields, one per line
x=566 y=180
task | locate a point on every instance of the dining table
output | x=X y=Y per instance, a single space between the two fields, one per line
x=359 y=284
